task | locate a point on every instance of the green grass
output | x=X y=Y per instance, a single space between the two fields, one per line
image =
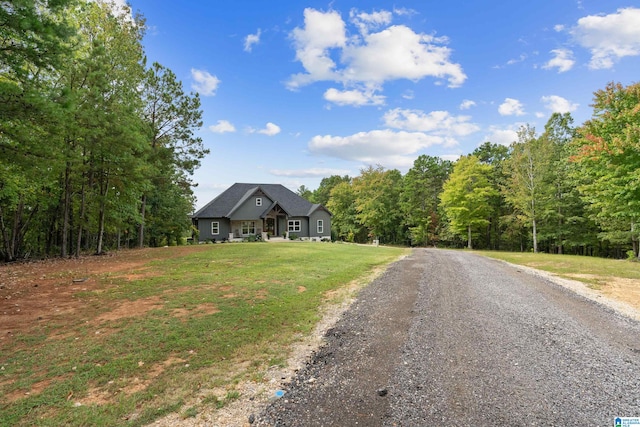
x=217 y=315
x=590 y=270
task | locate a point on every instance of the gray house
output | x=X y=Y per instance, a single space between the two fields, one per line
x=262 y=210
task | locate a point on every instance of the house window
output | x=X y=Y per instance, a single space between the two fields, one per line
x=248 y=227
x=258 y=201
x=320 y=226
x=295 y=225
x=215 y=227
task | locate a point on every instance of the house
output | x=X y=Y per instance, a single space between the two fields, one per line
x=262 y=210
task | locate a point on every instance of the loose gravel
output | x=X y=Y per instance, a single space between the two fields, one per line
x=450 y=338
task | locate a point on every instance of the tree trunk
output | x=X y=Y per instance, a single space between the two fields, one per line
x=101 y=215
x=141 y=227
x=9 y=253
x=66 y=212
x=81 y=221
x=535 y=237
x=469 y=237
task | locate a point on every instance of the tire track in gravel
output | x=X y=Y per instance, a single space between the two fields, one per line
x=341 y=385
x=458 y=339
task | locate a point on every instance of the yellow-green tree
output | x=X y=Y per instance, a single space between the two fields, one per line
x=466 y=197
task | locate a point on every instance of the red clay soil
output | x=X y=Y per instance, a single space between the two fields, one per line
x=36 y=292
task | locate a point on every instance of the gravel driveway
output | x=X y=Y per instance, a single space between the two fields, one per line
x=447 y=338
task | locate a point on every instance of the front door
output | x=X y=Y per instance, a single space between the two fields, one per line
x=271 y=226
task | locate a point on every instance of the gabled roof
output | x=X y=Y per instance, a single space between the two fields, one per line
x=231 y=199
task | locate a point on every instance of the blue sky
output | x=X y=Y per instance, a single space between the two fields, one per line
x=296 y=91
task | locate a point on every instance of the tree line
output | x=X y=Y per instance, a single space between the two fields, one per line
x=96 y=147
x=564 y=190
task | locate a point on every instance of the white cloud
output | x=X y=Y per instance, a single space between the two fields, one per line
x=403 y=11
x=250 y=40
x=409 y=94
x=501 y=136
x=399 y=53
x=558 y=28
x=370 y=21
x=562 y=60
x=119 y=9
x=385 y=147
x=353 y=97
x=222 y=126
x=521 y=58
x=205 y=83
x=558 y=104
x=609 y=37
x=450 y=157
x=511 y=107
x=309 y=173
x=396 y=52
x=269 y=130
x=466 y=104
x=321 y=32
x=436 y=122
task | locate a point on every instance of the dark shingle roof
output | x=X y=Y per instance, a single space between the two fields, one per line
x=229 y=200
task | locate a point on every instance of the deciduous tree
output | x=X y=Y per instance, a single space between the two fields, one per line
x=422 y=186
x=608 y=160
x=466 y=196
x=528 y=170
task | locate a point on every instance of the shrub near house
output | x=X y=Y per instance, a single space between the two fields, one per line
x=263 y=210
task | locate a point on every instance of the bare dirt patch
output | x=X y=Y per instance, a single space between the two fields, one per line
x=102 y=396
x=39 y=292
x=131 y=309
x=616 y=288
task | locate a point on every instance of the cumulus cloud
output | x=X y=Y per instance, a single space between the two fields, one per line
x=386 y=147
x=558 y=104
x=204 y=83
x=371 y=58
x=609 y=37
x=501 y=136
x=321 y=32
x=562 y=60
x=511 y=107
x=466 y=104
x=250 y=40
x=309 y=173
x=436 y=122
x=269 y=130
x=222 y=126
x=353 y=97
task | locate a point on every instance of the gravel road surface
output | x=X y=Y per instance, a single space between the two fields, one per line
x=448 y=338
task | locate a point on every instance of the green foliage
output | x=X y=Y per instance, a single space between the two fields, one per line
x=79 y=155
x=342 y=204
x=419 y=199
x=495 y=155
x=466 y=196
x=305 y=193
x=322 y=194
x=377 y=197
x=608 y=162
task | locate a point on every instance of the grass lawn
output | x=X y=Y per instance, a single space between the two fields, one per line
x=126 y=339
x=570 y=266
x=617 y=279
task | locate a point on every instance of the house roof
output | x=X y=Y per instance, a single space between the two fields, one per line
x=232 y=198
